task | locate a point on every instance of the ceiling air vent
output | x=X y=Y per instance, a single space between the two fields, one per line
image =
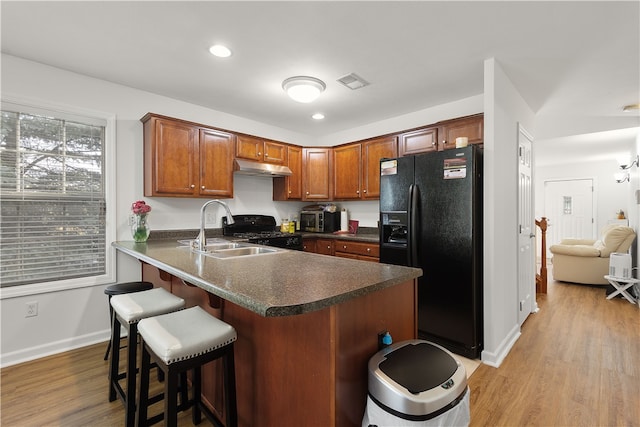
x=353 y=81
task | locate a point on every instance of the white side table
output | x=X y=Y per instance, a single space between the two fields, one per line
x=622 y=284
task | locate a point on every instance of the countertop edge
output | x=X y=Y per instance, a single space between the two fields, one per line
x=265 y=310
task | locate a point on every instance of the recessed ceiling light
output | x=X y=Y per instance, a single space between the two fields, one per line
x=220 y=51
x=630 y=107
x=318 y=116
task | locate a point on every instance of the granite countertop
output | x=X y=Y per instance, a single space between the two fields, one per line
x=365 y=234
x=275 y=284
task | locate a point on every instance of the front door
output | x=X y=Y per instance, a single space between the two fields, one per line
x=526 y=241
x=568 y=205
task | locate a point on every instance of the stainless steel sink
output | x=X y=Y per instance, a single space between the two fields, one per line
x=241 y=251
x=219 y=248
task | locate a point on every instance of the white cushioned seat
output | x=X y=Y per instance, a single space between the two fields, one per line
x=185 y=334
x=138 y=305
x=586 y=260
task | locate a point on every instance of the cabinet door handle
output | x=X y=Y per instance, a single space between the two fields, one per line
x=266 y=154
x=444 y=141
x=328 y=246
x=193 y=186
x=364 y=191
x=307 y=193
x=259 y=153
x=357 y=191
x=368 y=249
x=202 y=188
x=344 y=246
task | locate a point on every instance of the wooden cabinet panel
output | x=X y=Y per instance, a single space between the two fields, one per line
x=357 y=248
x=324 y=246
x=275 y=152
x=472 y=127
x=317 y=167
x=182 y=159
x=357 y=168
x=309 y=245
x=249 y=147
x=290 y=187
x=216 y=164
x=170 y=152
x=372 y=152
x=348 y=171
x=418 y=141
x=260 y=150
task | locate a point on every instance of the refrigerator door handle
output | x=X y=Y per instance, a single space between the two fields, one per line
x=412 y=227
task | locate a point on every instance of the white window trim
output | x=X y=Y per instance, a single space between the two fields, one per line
x=110 y=197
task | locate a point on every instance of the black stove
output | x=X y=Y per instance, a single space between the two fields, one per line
x=262 y=230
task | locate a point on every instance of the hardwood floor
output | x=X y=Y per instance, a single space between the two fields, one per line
x=577 y=363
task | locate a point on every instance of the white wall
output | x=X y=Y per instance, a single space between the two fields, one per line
x=504 y=109
x=73 y=318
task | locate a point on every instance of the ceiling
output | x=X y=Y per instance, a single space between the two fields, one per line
x=575 y=63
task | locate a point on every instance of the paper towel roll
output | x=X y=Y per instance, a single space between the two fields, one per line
x=344 y=220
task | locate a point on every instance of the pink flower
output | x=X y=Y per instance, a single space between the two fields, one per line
x=140 y=207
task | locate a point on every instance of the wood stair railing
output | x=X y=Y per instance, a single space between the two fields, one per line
x=541 y=279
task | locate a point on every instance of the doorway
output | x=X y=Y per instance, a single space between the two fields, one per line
x=569 y=204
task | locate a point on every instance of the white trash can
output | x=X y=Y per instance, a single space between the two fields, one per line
x=416 y=383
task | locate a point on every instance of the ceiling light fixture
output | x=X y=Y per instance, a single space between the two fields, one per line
x=303 y=88
x=220 y=51
x=318 y=116
x=630 y=107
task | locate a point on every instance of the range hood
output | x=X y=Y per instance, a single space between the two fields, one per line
x=247 y=167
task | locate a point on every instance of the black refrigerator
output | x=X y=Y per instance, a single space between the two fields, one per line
x=431 y=218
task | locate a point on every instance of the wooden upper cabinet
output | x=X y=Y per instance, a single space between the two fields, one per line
x=357 y=168
x=290 y=187
x=317 y=167
x=182 y=159
x=275 y=152
x=418 y=141
x=260 y=150
x=472 y=127
x=348 y=171
x=372 y=152
x=216 y=163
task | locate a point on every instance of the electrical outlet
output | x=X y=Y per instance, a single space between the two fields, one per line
x=32 y=309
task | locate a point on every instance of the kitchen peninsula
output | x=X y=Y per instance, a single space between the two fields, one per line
x=307 y=325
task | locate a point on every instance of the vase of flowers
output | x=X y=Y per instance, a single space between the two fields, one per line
x=139 y=222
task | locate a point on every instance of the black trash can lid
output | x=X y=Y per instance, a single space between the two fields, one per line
x=419 y=367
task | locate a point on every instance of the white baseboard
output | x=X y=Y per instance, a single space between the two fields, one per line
x=48 y=349
x=495 y=358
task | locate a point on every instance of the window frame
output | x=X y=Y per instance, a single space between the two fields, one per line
x=30 y=105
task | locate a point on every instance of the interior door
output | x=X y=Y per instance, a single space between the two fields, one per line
x=526 y=236
x=568 y=204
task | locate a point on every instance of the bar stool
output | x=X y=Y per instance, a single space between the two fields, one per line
x=129 y=309
x=182 y=341
x=119 y=289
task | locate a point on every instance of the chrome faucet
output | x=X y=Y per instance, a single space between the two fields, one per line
x=201 y=242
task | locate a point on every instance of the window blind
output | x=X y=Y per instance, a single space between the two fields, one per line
x=52 y=197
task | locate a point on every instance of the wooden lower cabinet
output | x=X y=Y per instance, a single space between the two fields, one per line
x=357 y=250
x=307 y=369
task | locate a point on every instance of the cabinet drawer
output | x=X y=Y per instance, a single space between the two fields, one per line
x=324 y=246
x=358 y=248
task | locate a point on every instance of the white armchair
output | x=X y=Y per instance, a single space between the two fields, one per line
x=587 y=261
